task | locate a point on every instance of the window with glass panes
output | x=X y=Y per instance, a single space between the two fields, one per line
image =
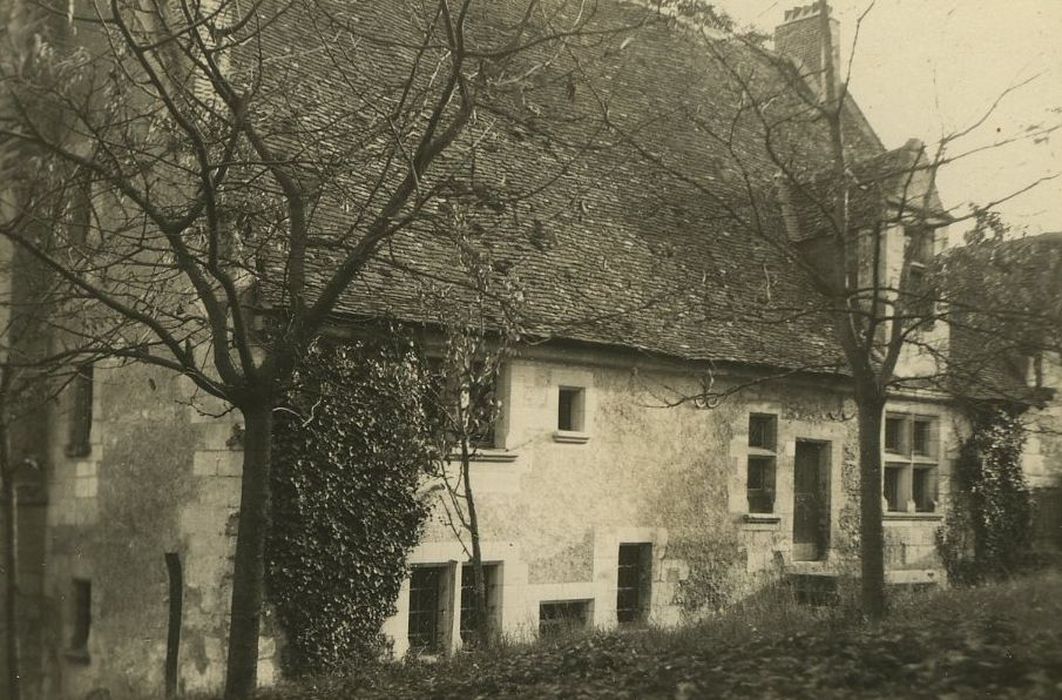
x=909 y=481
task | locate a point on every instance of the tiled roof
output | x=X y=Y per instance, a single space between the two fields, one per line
x=633 y=245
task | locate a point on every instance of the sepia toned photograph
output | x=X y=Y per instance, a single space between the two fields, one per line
x=532 y=349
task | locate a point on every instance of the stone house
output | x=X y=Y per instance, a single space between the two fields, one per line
x=607 y=496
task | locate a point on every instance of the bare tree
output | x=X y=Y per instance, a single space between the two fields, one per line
x=817 y=190
x=479 y=335
x=236 y=168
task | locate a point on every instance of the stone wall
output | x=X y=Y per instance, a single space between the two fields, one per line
x=553 y=509
x=162 y=476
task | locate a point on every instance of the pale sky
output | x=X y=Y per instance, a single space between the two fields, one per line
x=926 y=67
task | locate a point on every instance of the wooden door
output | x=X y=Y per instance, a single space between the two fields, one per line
x=811 y=501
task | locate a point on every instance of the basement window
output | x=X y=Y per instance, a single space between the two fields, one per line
x=558 y=618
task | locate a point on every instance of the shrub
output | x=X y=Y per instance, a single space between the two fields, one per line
x=349 y=454
x=989 y=529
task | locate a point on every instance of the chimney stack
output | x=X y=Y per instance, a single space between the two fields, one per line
x=801 y=39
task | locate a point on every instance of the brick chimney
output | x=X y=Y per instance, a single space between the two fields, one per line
x=801 y=39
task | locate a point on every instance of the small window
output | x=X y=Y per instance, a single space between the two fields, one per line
x=570 y=408
x=894 y=435
x=563 y=617
x=82 y=616
x=80 y=433
x=468 y=604
x=894 y=501
x=634 y=583
x=762 y=431
x=425 y=609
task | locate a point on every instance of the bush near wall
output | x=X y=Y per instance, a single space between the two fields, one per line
x=988 y=533
x=349 y=455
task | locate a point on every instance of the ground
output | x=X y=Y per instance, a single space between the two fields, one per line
x=1002 y=640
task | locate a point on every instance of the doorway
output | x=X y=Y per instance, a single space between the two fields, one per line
x=811 y=501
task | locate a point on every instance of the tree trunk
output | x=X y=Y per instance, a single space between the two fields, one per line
x=871 y=403
x=479 y=581
x=248 y=574
x=9 y=503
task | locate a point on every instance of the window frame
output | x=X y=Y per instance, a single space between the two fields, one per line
x=761 y=500
x=913 y=460
x=492 y=572
x=438 y=643
x=79 y=426
x=641 y=588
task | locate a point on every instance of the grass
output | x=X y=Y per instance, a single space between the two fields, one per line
x=998 y=641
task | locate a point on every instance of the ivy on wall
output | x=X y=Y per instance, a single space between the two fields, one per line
x=349 y=453
x=988 y=532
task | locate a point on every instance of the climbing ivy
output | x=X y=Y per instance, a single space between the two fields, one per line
x=350 y=449
x=988 y=532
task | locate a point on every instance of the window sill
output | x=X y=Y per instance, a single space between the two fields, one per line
x=574 y=437
x=78 y=656
x=901 y=516
x=490 y=454
x=761 y=519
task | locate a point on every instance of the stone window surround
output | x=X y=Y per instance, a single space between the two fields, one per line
x=910 y=461
x=451 y=554
x=569 y=378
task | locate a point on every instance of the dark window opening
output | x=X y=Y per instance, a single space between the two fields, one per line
x=921 y=438
x=469 y=400
x=468 y=599
x=79 y=437
x=425 y=609
x=561 y=617
x=923 y=490
x=892 y=492
x=634 y=583
x=894 y=435
x=761 y=484
x=762 y=431
x=570 y=408
x=82 y=599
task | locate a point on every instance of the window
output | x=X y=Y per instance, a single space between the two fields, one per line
x=468 y=600
x=80 y=430
x=894 y=435
x=564 y=616
x=919 y=244
x=82 y=616
x=910 y=470
x=425 y=630
x=570 y=408
x=633 y=583
x=762 y=460
x=470 y=399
